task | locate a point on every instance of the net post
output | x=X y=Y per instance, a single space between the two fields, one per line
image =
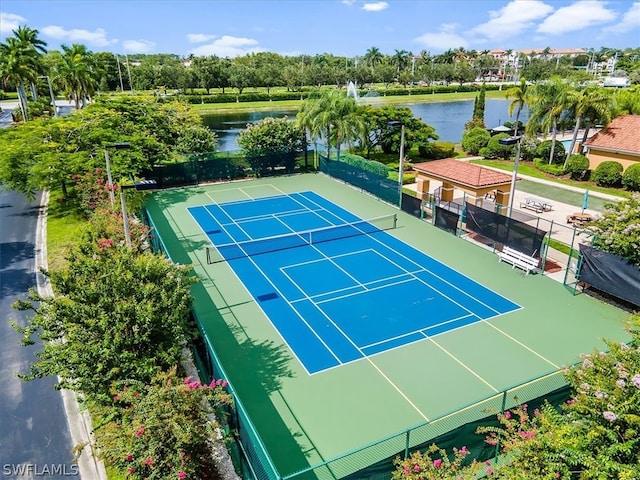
x=395 y=220
x=208 y=256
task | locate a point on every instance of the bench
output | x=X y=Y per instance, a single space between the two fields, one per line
x=536 y=205
x=518 y=259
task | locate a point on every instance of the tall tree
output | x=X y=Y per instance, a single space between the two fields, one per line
x=591 y=102
x=21 y=62
x=373 y=57
x=332 y=117
x=548 y=100
x=518 y=94
x=76 y=71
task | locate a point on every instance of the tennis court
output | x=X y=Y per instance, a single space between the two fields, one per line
x=346 y=340
x=333 y=300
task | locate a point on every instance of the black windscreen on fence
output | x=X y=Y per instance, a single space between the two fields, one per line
x=379 y=186
x=411 y=205
x=610 y=273
x=447 y=220
x=508 y=231
x=204 y=168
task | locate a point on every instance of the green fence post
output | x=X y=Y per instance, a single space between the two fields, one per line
x=504 y=403
x=406 y=445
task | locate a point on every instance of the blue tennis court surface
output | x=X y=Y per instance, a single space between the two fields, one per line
x=337 y=288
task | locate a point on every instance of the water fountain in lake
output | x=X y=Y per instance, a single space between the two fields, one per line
x=352 y=91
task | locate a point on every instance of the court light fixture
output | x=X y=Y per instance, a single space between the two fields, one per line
x=508 y=141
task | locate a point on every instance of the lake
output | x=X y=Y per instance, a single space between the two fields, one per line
x=448 y=119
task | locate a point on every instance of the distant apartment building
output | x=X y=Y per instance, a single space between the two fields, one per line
x=512 y=61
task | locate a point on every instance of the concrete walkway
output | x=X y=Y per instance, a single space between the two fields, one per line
x=554 y=220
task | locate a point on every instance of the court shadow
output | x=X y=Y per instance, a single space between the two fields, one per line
x=255 y=369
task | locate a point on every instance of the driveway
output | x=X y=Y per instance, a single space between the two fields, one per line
x=35 y=439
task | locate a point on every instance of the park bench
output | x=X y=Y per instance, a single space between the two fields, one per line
x=518 y=259
x=536 y=205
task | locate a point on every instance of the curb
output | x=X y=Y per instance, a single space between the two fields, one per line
x=89 y=466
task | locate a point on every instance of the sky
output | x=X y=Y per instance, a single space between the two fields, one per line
x=341 y=27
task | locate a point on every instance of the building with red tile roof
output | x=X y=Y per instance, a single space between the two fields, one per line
x=474 y=180
x=619 y=141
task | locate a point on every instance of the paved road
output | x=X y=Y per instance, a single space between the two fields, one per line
x=35 y=440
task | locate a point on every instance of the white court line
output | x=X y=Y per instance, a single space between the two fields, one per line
x=209 y=194
x=420 y=331
x=235 y=242
x=417 y=265
x=373 y=289
x=266 y=277
x=357 y=348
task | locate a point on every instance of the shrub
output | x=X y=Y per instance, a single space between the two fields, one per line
x=608 y=174
x=475 y=139
x=495 y=150
x=437 y=150
x=544 y=151
x=577 y=166
x=631 y=178
x=528 y=147
x=542 y=164
x=162 y=429
x=361 y=163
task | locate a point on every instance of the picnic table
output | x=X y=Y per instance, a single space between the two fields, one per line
x=579 y=219
x=536 y=205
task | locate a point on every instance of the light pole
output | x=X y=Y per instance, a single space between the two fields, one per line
x=141 y=185
x=116 y=146
x=515 y=140
x=396 y=124
x=53 y=98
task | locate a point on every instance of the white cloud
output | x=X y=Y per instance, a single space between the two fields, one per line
x=582 y=14
x=348 y=2
x=228 y=46
x=630 y=21
x=138 y=46
x=443 y=40
x=512 y=19
x=10 y=22
x=199 y=37
x=97 y=38
x=374 y=7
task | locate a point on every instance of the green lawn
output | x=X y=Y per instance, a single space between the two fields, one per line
x=527 y=168
x=391 y=100
x=63 y=225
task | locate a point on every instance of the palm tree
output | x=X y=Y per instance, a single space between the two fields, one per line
x=76 y=71
x=29 y=38
x=591 y=103
x=332 y=116
x=519 y=95
x=373 y=57
x=400 y=59
x=548 y=100
x=21 y=62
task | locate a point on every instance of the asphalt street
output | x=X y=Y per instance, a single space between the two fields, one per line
x=35 y=440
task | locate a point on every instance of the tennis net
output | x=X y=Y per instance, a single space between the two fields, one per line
x=249 y=248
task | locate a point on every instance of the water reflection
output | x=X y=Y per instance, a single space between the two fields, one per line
x=448 y=119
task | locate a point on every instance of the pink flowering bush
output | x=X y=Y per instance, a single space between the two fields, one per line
x=435 y=463
x=162 y=430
